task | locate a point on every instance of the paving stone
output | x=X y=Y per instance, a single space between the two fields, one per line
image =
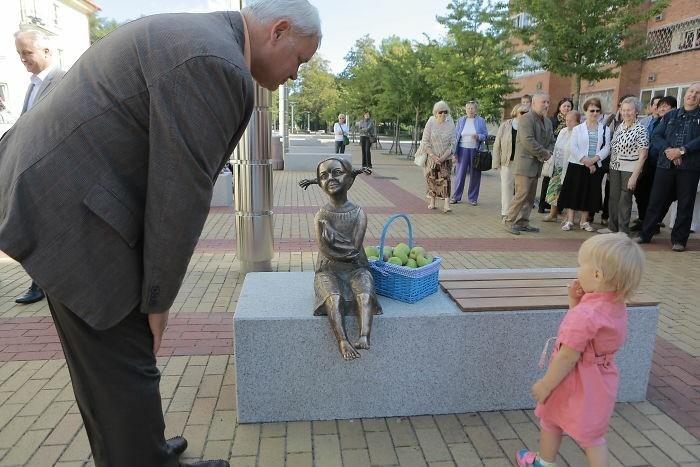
x=273 y=430
x=465 y=455
x=183 y=399
x=28 y=444
x=500 y=462
x=629 y=433
x=7 y=413
x=571 y=452
x=192 y=376
x=529 y=433
x=499 y=426
x=78 y=449
x=202 y=411
x=210 y=386
x=14 y=430
x=300 y=459
x=423 y=421
x=175 y=424
x=176 y=366
x=325 y=427
x=671 y=448
x=299 y=437
x=168 y=385
x=49 y=369
x=216 y=365
x=45 y=456
x=401 y=431
x=485 y=444
x=470 y=419
x=623 y=451
x=515 y=416
x=451 y=429
x=327 y=450
x=374 y=424
x=246 y=440
x=381 y=450
x=196 y=436
x=432 y=444
x=355 y=457
x=411 y=456
x=227 y=399
x=272 y=452
x=673 y=429
x=66 y=430
x=352 y=436
x=243 y=461
x=654 y=456
x=37 y=404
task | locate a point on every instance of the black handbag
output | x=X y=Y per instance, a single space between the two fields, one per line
x=483 y=160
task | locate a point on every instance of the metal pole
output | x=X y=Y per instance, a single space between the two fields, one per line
x=292 y=105
x=284 y=129
x=252 y=175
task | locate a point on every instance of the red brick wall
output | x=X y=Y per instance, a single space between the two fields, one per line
x=678 y=10
x=678 y=68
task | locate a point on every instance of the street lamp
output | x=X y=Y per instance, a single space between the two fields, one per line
x=292 y=104
x=308 y=121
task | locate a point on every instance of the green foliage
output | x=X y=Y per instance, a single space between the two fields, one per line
x=316 y=92
x=476 y=58
x=586 y=39
x=100 y=27
x=359 y=85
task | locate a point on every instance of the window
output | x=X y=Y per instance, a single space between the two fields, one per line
x=677 y=91
x=522 y=20
x=527 y=66
x=674 y=38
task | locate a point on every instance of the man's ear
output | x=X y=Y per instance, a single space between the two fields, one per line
x=280 y=29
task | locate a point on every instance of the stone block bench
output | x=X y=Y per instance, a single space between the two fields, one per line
x=308 y=161
x=426 y=358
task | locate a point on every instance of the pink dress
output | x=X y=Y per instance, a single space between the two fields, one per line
x=583 y=402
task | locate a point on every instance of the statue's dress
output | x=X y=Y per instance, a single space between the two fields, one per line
x=342 y=268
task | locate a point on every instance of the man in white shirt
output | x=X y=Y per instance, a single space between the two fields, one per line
x=34 y=51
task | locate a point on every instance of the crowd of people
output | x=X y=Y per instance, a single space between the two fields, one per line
x=588 y=162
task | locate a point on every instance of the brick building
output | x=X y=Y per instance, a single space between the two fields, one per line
x=672 y=64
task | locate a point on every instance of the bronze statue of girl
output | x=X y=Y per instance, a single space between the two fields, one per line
x=343 y=281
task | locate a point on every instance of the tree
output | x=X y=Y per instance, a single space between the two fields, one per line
x=586 y=39
x=100 y=27
x=474 y=61
x=316 y=92
x=359 y=82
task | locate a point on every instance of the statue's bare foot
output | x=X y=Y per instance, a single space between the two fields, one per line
x=362 y=343
x=347 y=350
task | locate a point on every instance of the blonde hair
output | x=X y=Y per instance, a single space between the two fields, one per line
x=618 y=258
x=516 y=110
x=440 y=105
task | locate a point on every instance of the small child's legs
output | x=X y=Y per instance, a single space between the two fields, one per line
x=550 y=440
x=597 y=454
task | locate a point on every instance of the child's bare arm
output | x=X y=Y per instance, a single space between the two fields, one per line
x=560 y=366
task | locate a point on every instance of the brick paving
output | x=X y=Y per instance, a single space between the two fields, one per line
x=40 y=424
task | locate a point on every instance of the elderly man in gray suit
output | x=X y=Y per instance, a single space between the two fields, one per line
x=105 y=206
x=34 y=50
x=534 y=145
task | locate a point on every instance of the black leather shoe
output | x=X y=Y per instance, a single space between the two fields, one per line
x=640 y=240
x=177 y=444
x=214 y=463
x=33 y=295
x=678 y=247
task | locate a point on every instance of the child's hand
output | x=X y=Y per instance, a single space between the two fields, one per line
x=539 y=391
x=575 y=290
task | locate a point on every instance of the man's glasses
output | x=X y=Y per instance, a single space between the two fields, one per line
x=594 y=111
x=443 y=112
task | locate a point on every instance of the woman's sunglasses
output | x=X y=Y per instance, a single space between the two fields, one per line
x=443 y=111
x=594 y=111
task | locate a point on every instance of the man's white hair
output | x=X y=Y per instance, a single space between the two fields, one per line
x=302 y=15
x=39 y=39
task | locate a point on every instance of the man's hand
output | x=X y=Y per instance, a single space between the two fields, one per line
x=158 y=322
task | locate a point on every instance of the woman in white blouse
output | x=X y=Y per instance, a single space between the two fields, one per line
x=582 y=188
x=556 y=166
x=629 y=149
x=340 y=130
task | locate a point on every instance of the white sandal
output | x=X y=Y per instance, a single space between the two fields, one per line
x=568 y=225
x=587 y=227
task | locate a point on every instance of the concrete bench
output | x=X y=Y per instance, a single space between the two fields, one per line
x=426 y=358
x=308 y=161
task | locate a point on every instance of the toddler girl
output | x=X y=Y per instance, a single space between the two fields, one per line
x=578 y=392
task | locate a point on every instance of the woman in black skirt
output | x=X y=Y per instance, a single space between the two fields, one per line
x=581 y=190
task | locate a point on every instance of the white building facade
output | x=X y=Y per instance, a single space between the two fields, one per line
x=64 y=21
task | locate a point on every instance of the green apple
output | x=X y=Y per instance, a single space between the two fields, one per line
x=411 y=264
x=371 y=251
x=415 y=251
x=395 y=260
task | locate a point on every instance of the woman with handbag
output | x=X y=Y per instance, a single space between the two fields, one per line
x=340 y=130
x=504 y=153
x=582 y=187
x=555 y=167
x=368 y=135
x=470 y=133
x=437 y=148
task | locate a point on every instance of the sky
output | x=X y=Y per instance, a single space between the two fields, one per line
x=343 y=22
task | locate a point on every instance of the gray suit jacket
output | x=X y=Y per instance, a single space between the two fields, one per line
x=105 y=205
x=49 y=82
x=534 y=140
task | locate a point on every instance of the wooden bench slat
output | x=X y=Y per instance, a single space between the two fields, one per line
x=447 y=276
x=506 y=284
x=530 y=303
x=509 y=292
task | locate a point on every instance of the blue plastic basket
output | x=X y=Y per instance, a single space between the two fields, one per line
x=399 y=282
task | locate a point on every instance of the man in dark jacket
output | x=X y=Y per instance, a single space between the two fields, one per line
x=105 y=206
x=677 y=141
